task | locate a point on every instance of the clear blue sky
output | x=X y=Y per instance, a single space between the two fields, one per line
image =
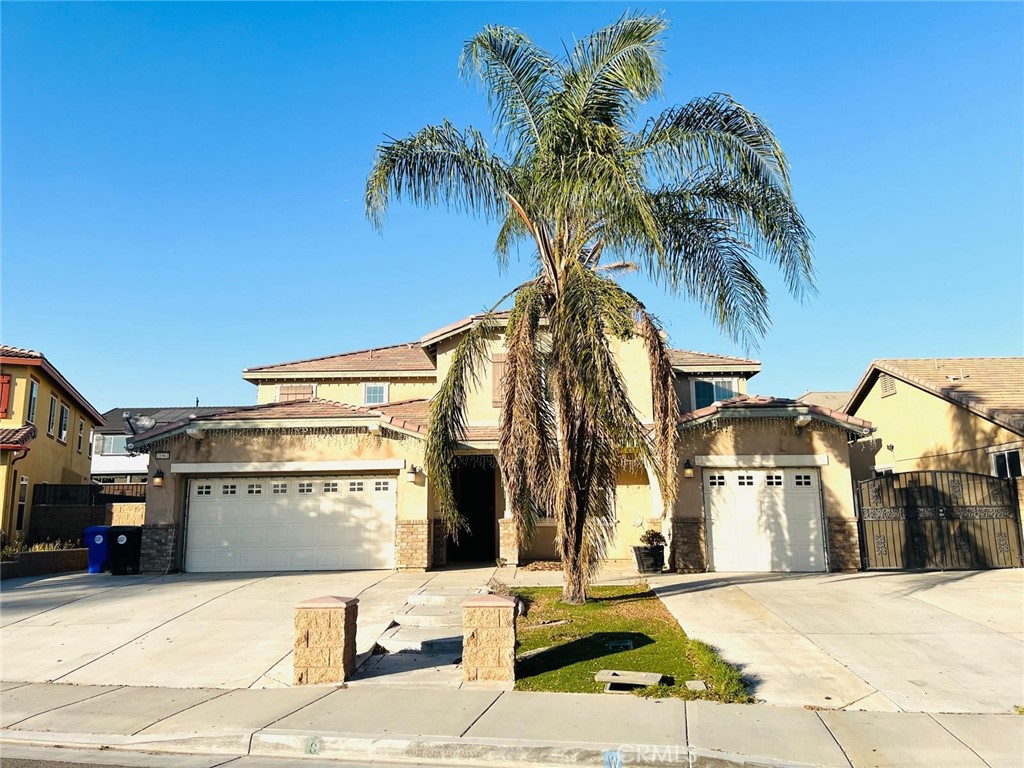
x=182 y=183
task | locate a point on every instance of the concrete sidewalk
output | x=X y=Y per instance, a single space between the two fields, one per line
x=482 y=727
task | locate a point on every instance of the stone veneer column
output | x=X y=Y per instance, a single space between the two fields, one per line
x=159 y=549
x=688 y=551
x=438 y=544
x=489 y=639
x=325 y=640
x=843 y=544
x=508 y=541
x=412 y=540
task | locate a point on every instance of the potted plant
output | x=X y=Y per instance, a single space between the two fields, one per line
x=650 y=558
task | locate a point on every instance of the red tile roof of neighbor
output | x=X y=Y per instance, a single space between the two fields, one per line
x=757 y=402
x=685 y=358
x=17 y=356
x=18 y=437
x=399 y=357
x=992 y=387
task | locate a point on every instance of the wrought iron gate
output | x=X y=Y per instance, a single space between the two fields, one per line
x=939 y=519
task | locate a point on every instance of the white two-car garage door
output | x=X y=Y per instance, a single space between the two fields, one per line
x=764 y=519
x=290 y=523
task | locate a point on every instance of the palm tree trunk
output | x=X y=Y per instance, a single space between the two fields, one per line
x=570 y=517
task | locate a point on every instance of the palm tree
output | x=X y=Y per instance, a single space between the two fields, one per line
x=690 y=197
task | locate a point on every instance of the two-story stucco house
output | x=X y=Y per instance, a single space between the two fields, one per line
x=954 y=413
x=46 y=430
x=326 y=471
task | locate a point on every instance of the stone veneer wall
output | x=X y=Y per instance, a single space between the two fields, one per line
x=412 y=545
x=159 y=549
x=325 y=640
x=843 y=544
x=688 y=547
x=438 y=544
x=508 y=541
x=489 y=639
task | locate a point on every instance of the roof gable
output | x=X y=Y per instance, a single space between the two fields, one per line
x=990 y=387
x=408 y=357
x=17 y=356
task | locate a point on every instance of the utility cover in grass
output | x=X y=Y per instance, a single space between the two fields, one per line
x=561 y=647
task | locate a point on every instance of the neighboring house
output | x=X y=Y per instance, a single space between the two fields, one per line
x=326 y=471
x=46 y=428
x=112 y=462
x=834 y=401
x=959 y=413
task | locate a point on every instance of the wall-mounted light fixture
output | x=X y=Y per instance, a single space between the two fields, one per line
x=802 y=420
x=411 y=473
x=158 y=479
x=687 y=468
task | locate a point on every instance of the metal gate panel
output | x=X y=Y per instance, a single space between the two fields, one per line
x=938 y=519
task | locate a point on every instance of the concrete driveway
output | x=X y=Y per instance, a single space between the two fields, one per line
x=887 y=641
x=185 y=630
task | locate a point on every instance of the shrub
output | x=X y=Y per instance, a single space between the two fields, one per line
x=653 y=538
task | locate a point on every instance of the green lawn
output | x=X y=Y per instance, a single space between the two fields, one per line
x=578 y=648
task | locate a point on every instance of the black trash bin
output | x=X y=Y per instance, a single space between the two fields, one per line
x=125 y=549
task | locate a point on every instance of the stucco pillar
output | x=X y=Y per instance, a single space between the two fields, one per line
x=325 y=640
x=489 y=639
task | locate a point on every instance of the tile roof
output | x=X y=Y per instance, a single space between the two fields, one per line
x=452 y=328
x=411 y=415
x=399 y=357
x=9 y=351
x=747 y=403
x=835 y=401
x=12 y=439
x=992 y=387
x=17 y=356
x=685 y=358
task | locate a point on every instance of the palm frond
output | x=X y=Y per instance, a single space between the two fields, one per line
x=666 y=407
x=518 y=76
x=439 y=165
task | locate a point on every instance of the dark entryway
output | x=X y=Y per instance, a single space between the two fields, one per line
x=944 y=520
x=474 y=480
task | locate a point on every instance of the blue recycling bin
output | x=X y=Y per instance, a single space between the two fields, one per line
x=97 y=539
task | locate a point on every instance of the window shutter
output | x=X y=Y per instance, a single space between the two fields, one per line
x=5 y=395
x=292 y=393
x=497 y=374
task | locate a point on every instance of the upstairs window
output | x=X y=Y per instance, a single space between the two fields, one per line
x=114 y=445
x=708 y=391
x=92 y=440
x=33 y=396
x=375 y=394
x=51 y=425
x=294 y=393
x=62 y=428
x=81 y=435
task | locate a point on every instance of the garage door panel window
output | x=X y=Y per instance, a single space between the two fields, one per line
x=745 y=480
x=204 y=490
x=773 y=481
x=331 y=487
x=229 y=490
x=254 y=489
x=716 y=481
x=305 y=488
x=802 y=481
x=279 y=489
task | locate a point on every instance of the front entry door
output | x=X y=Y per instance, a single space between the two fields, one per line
x=474 y=497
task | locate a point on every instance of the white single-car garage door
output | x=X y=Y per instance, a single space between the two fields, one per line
x=764 y=519
x=290 y=523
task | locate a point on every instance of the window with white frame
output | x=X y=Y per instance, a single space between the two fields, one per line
x=229 y=490
x=279 y=489
x=62 y=427
x=254 y=489
x=355 y=486
x=773 y=481
x=375 y=393
x=330 y=487
x=33 y=396
x=81 y=435
x=114 y=445
x=745 y=480
x=381 y=485
x=707 y=391
x=1006 y=463
x=802 y=481
x=305 y=488
x=51 y=425
x=92 y=439
x=716 y=481
x=204 y=490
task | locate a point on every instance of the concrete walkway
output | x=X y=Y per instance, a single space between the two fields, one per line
x=450 y=727
x=877 y=641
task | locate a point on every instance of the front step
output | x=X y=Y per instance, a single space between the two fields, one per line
x=435 y=640
x=429 y=615
x=450 y=596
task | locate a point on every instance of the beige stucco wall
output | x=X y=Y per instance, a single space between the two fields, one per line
x=770 y=437
x=166 y=505
x=48 y=460
x=351 y=391
x=926 y=432
x=634 y=514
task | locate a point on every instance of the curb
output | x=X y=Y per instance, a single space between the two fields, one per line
x=430 y=750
